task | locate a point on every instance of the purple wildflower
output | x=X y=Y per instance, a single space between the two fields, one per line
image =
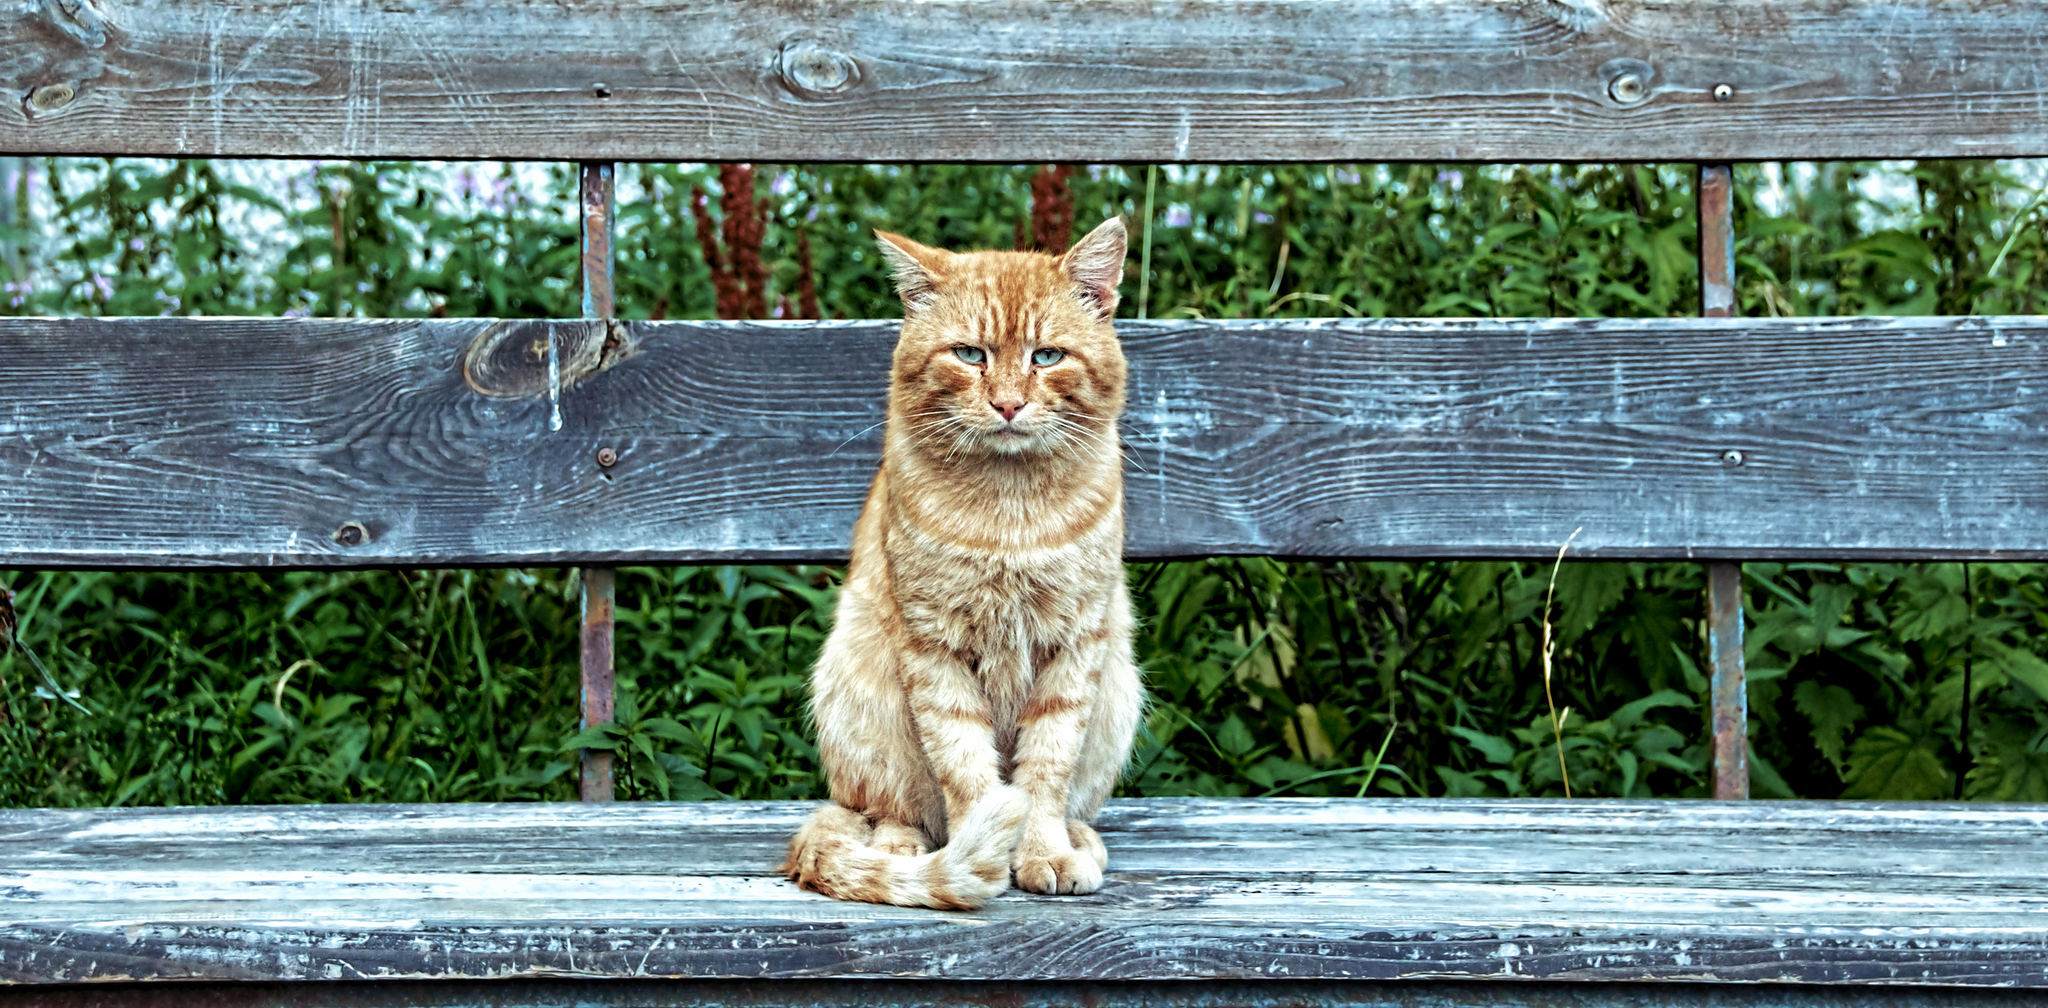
x=1178 y=216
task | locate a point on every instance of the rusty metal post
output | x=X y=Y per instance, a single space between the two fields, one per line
x=1724 y=580
x=595 y=182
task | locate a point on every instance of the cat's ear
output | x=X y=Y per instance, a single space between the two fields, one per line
x=917 y=268
x=1096 y=263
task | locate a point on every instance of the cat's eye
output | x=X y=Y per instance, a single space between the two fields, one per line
x=970 y=354
x=1047 y=357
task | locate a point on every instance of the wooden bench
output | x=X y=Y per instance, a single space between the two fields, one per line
x=183 y=442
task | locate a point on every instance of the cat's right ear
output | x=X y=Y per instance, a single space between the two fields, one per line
x=917 y=269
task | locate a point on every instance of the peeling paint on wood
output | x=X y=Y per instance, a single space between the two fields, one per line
x=1804 y=892
x=246 y=442
x=1027 y=80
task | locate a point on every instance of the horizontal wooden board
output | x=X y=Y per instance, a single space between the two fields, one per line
x=1027 y=80
x=867 y=993
x=1283 y=889
x=250 y=442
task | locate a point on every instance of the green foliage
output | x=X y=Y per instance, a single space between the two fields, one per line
x=1893 y=681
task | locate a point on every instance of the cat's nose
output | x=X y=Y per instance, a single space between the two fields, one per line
x=1009 y=408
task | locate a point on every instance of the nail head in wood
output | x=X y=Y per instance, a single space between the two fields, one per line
x=607 y=458
x=600 y=90
x=1723 y=92
x=351 y=534
x=1731 y=458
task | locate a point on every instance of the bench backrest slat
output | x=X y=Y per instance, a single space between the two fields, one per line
x=1028 y=80
x=246 y=442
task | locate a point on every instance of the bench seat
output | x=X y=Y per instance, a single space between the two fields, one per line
x=1297 y=889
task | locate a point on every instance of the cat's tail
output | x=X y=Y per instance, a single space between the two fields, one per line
x=831 y=855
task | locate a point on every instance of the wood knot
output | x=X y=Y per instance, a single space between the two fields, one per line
x=50 y=97
x=811 y=70
x=1628 y=80
x=509 y=359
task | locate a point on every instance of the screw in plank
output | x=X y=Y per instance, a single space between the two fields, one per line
x=1731 y=458
x=600 y=90
x=351 y=534
x=607 y=458
x=1628 y=89
x=50 y=96
x=1723 y=92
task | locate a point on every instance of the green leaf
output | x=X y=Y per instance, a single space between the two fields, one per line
x=590 y=738
x=1833 y=711
x=2023 y=667
x=1233 y=738
x=1888 y=763
x=1493 y=747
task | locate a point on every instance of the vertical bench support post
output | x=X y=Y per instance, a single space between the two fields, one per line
x=1716 y=190
x=595 y=182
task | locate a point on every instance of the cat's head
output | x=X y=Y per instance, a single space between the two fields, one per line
x=1009 y=353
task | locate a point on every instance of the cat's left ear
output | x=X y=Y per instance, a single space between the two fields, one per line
x=917 y=269
x=1097 y=264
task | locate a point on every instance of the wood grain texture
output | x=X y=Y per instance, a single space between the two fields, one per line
x=926 y=993
x=1027 y=80
x=244 y=442
x=1287 y=889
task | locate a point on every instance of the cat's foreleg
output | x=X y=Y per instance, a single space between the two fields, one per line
x=1106 y=746
x=870 y=750
x=1050 y=731
x=954 y=725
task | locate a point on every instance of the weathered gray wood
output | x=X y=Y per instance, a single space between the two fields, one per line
x=245 y=442
x=612 y=993
x=1300 y=889
x=1027 y=80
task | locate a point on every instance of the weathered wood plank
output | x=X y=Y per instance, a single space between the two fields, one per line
x=614 y=993
x=1027 y=80
x=248 y=442
x=1379 y=890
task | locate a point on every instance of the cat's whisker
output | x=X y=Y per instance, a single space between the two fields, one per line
x=872 y=426
x=1100 y=439
x=1121 y=422
x=939 y=427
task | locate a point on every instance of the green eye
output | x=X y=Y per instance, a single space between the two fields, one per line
x=972 y=355
x=1047 y=357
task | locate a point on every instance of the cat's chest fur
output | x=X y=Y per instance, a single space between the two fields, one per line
x=988 y=600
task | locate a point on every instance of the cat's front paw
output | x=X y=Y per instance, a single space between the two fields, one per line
x=899 y=838
x=1055 y=872
x=1087 y=841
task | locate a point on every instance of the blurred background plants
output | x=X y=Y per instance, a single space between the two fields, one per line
x=1910 y=681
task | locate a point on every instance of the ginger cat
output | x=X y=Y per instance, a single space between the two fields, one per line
x=976 y=699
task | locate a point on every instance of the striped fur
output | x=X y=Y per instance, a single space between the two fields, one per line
x=980 y=660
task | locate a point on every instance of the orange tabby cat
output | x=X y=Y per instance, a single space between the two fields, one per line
x=976 y=699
